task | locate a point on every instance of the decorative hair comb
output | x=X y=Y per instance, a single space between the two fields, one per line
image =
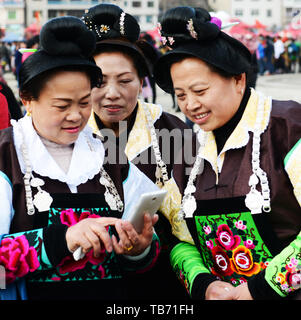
x=121 y=23
x=191 y=30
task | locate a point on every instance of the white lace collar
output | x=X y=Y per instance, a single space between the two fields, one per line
x=87 y=158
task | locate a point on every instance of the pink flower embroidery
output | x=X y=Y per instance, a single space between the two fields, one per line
x=68 y=264
x=209 y=244
x=240 y=225
x=17 y=257
x=207 y=229
x=226 y=239
x=249 y=244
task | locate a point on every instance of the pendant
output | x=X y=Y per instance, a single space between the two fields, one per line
x=254 y=201
x=104 y=181
x=110 y=200
x=190 y=189
x=36 y=182
x=189 y=206
x=42 y=201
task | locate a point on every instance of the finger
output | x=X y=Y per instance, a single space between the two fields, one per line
x=95 y=242
x=148 y=229
x=106 y=221
x=131 y=232
x=155 y=219
x=85 y=244
x=124 y=239
x=117 y=248
x=103 y=235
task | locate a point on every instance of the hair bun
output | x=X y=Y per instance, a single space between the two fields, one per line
x=67 y=36
x=182 y=24
x=108 y=21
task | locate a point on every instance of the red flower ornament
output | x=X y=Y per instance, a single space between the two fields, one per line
x=17 y=257
x=225 y=238
x=242 y=262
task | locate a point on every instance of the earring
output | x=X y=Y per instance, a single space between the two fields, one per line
x=28 y=114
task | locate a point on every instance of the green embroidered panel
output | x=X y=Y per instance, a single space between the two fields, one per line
x=233 y=250
x=284 y=273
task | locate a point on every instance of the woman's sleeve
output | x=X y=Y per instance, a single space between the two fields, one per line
x=187 y=263
x=144 y=261
x=25 y=252
x=283 y=274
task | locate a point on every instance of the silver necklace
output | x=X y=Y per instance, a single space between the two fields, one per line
x=42 y=200
x=161 y=169
x=255 y=200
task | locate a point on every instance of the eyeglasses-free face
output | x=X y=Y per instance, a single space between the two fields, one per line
x=117 y=96
x=204 y=96
x=63 y=107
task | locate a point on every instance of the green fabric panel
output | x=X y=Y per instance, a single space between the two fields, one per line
x=187 y=263
x=284 y=272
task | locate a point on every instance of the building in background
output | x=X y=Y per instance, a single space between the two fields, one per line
x=12 y=19
x=145 y=11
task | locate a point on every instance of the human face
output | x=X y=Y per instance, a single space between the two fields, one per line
x=63 y=107
x=117 y=96
x=205 y=97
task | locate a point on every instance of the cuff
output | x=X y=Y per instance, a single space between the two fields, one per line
x=200 y=285
x=140 y=256
x=260 y=289
x=55 y=243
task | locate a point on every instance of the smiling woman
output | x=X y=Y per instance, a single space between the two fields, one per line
x=150 y=137
x=57 y=194
x=241 y=199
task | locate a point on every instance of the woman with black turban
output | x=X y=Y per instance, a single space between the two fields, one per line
x=61 y=204
x=241 y=198
x=149 y=136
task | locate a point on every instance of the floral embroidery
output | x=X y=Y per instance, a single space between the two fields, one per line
x=233 y=249
x=290 y=278
x=226 y=239
x=17 y=257
x=242 y=262
x=221 y=262
x=69 y=218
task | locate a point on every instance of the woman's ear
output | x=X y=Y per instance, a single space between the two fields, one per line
x=27 y=106
x=241 y=82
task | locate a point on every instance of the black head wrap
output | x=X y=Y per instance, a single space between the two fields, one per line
x=193 y=32
x=64 y=42
x=117 y=30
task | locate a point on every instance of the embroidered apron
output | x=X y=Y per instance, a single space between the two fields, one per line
x=69 y=209
x=234 y=244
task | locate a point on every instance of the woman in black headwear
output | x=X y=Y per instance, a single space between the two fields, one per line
x=241 y=200
x=149 y=136
x=60 y=202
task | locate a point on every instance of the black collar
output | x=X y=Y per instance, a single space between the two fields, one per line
x=223 y=133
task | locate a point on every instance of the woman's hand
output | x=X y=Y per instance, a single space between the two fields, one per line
x=220 y=290
x=130 y=242
x=90 y=233
x=217 y=290
x=241 y=292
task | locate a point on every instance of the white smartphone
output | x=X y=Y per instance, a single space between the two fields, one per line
x=149 y=202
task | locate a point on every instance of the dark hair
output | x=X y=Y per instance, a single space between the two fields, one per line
x=33 y=89
x=65 y=44
x=118 y=31
x=174 y=23
x=193 y=32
